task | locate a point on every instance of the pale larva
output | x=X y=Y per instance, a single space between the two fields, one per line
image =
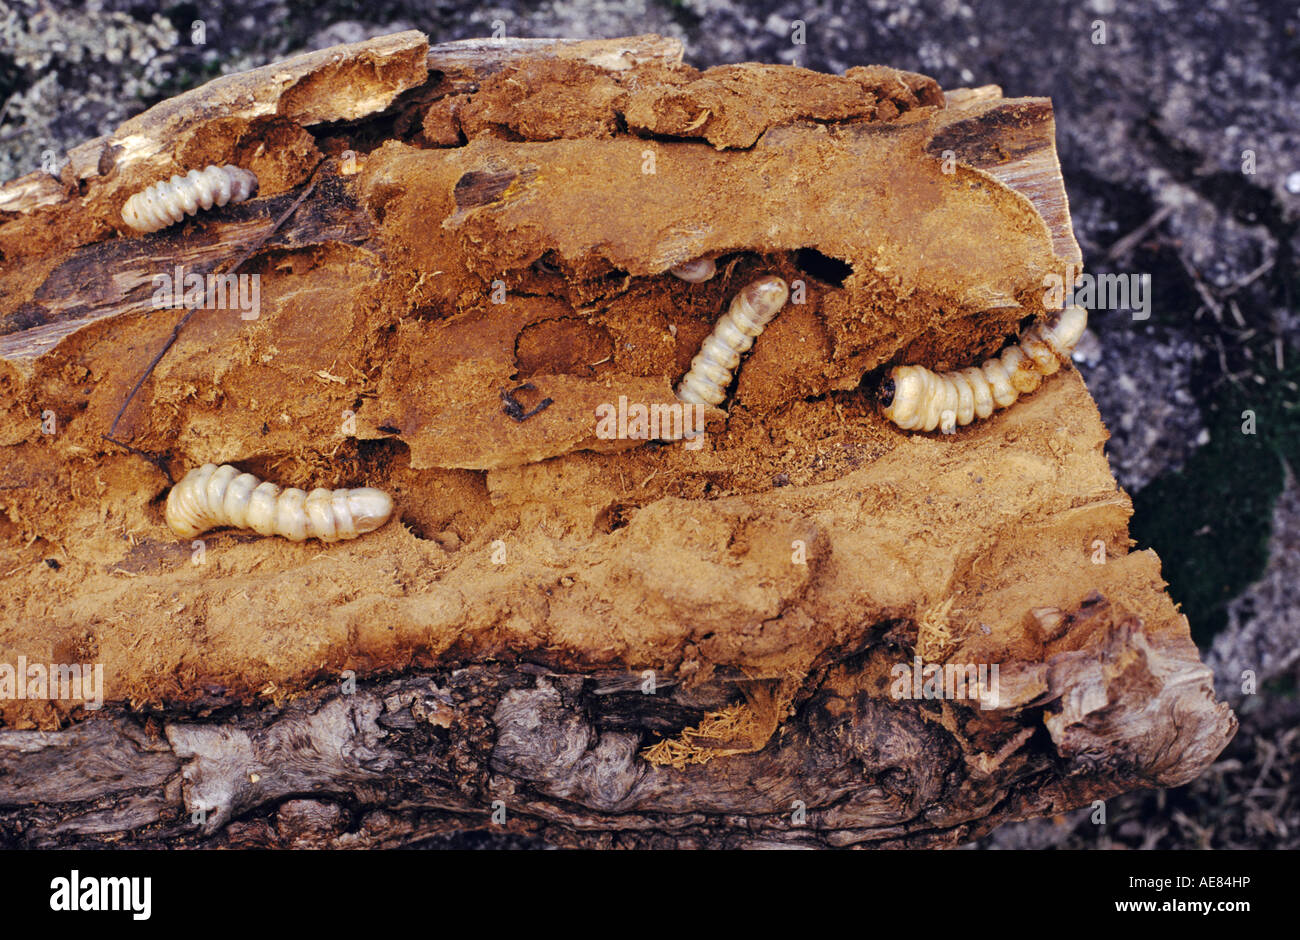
x=167 y=202
x=210 y=497
x=697 y=271
x=917 y=399
x=711 y=369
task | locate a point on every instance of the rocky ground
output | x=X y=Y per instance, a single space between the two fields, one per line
x=1179 y=133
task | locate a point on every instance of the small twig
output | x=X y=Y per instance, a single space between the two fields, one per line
x=1215 y=307
x=1123 y=246
x=1250 y=278
x=1236 y=314
x=156 y=460
x=1223 y=363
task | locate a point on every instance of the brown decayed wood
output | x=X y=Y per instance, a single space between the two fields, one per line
x=526 y=164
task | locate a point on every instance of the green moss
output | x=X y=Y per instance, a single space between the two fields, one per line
x=1283 y=686
x=1210 y=522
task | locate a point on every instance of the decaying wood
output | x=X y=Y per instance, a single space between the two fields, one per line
x=555 y=756
x=614 y=642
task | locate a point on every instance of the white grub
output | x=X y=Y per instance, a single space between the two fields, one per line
x=697 y=271
x=719 y=357
x=916 y=399
x=167 y=202
x=209 y=497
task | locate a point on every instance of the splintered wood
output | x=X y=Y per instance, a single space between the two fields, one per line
x=460 y=257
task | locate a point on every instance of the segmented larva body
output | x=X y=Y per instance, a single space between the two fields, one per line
x=711 y=369
x=697 y=271
x=210 y=497
x=167 y=202
x=917 y=399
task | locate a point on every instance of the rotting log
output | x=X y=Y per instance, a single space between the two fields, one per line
x=610 y=642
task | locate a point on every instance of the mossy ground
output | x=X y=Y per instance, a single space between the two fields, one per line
x=1211 y=520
